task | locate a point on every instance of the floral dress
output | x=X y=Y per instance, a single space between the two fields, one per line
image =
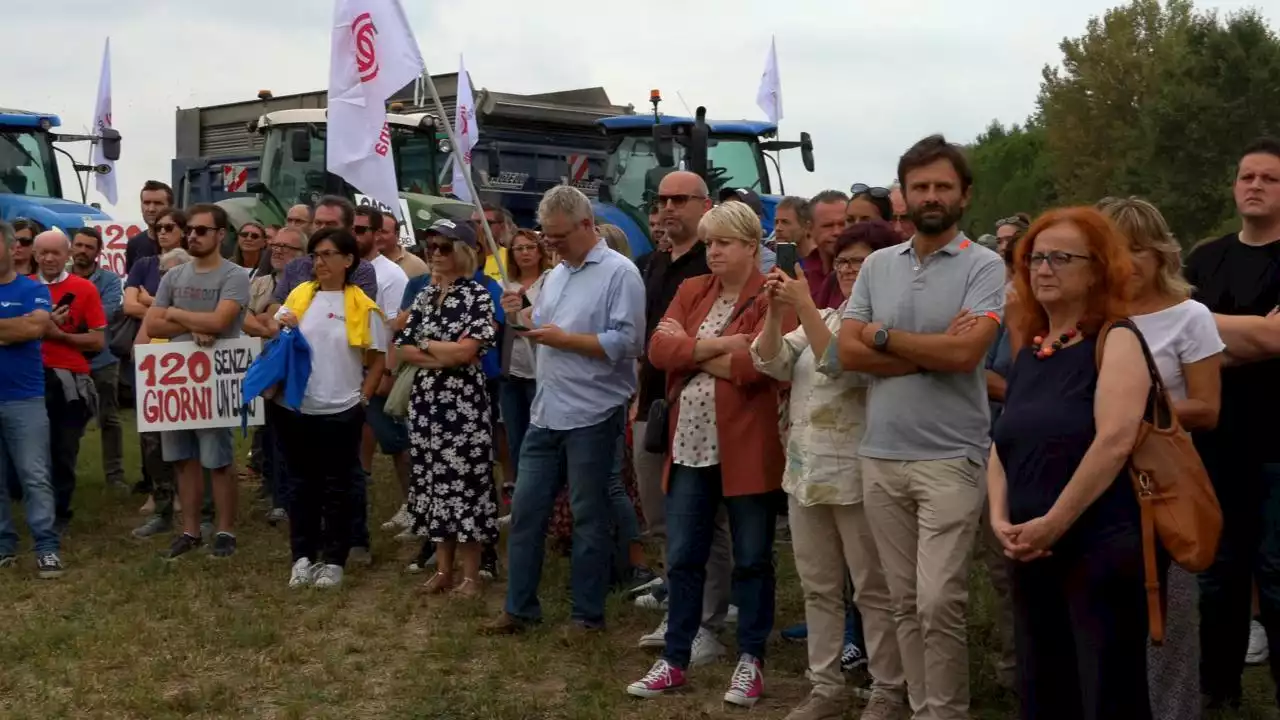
x=451 y=474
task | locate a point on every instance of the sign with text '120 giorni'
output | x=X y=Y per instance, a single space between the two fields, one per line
x=182 y=386
x=115 y=239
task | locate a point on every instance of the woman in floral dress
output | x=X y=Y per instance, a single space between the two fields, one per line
x=451 y=480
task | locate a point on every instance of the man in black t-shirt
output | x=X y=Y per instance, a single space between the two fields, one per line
x=157 y=198
x=1238 y=278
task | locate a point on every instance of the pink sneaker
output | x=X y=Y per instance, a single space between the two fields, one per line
x=662 y=677
x=747 y=684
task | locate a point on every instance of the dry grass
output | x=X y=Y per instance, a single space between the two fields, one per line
x=125 y=635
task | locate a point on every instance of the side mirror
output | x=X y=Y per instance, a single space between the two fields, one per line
x=806 y=151
x=110 y=144
x=699 y=138
x=300 y=145
x=664 y=146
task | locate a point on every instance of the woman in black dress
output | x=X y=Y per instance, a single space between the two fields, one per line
x=451 y=480
x=1061 y=504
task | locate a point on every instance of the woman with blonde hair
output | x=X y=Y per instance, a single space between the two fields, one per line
x=723 y=448
x=615 y=237
x=1187 y=349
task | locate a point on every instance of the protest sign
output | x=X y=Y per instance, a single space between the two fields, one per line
x=115 y=239
x=182 y=386
x=406 y=227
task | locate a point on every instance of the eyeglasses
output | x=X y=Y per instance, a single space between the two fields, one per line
x=864 y=189
x=296 y=221
x=1057 y=259
x=525 y=248
x=167 y=227
x=678 y=201
x=199 y=230
x=444 y=248
x=361 y=229
x=848 y=263
x=250 y=235
x=283 y=247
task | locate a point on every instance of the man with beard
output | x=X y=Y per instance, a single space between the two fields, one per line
x=75 y=330
x=928 y=422
x=86 y=246
x=827 y=212
x=202 y=301
x=24 y=421
x=157 y=197
x=1238 y=277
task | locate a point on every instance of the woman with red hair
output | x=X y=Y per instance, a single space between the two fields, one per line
x=1060 y=501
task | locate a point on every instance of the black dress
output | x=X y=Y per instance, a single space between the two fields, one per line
x=1080 y=616
x=451 y=474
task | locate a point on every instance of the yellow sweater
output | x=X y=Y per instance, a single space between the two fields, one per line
x=357 y=306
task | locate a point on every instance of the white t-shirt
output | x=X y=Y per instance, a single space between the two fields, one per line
x=337 y=369
x=1180 y=335
x=391 y=284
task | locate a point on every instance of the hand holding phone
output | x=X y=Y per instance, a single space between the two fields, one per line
x=788 y=257
x=65 y=301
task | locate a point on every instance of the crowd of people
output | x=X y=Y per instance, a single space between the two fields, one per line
x=907 y=398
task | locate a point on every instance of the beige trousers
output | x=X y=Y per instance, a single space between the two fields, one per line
x=826 y=540
x=924 y=517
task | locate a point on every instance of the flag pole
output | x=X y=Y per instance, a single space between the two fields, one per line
x=466 y=175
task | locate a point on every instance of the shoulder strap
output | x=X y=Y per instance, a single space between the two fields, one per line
x=1157 y=383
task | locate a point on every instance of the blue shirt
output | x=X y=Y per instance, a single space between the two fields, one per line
x=112 y=294
x=23 y=375
x=491 y=361
x=602 y=297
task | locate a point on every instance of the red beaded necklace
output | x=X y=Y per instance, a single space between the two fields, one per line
x=1043 y=352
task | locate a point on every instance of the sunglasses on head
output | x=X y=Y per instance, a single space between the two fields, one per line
x=865 y=189
x=1015 y=220
x=199 y=230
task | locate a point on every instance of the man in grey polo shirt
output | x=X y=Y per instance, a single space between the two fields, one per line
x=927 y=417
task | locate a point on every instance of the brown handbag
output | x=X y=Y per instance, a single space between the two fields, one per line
x=1175 y=496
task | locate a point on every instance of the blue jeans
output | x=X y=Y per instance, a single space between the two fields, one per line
x=626 y=526
x=515 y=396
x=24 y=449
x=586 y=456
x=693 y=499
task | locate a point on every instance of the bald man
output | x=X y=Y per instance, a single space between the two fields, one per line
x=75 y=328
x=299 y=217
x=682 y=201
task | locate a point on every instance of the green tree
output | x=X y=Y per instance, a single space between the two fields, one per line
x=1011 y=174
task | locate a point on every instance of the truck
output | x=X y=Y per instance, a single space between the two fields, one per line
x=30 y=186
x=643 y=148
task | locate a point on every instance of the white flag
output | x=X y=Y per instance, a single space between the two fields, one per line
x=106 y=184
x=467 y=132
x=374 y=55
x=769 y=96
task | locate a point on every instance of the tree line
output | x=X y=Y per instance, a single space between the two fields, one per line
x=1152 y=100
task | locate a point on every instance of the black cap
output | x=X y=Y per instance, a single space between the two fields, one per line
x=455 y=231
x=746 y=196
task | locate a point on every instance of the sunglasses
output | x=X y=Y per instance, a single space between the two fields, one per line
x=250 y=235
x=865 y=189
x=200 y=230
x=361 y=229
x=167 y=227
x=26 y=241
x=444 y=248
x=679 y=200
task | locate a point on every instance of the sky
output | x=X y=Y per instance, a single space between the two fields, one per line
x=865 y=79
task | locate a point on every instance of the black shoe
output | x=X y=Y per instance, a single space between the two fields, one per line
x=49 y=566
x=489 y=562
x=224 y=545
x=641 y=581
x=181 y=545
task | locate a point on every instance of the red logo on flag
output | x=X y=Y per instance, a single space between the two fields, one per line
x=365 y=33
x=464 y=120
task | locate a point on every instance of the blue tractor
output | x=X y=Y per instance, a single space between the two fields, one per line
x=29 y=183
x=727 y=154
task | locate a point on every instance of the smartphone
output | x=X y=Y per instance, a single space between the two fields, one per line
x=65 y=301
x=787 y=258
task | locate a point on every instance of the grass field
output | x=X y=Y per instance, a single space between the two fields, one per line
x=125 y=635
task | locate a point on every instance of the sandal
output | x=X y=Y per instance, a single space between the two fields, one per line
x=468 y=590
x=436 y=585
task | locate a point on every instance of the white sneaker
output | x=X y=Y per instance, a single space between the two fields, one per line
x=706 y=648
x=302 y=574
x=399 y=520
x=650 y=602
x=328 y=576
x=657 y=638
x=1258 y=652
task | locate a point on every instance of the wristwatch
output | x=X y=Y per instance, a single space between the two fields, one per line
x=881 y=339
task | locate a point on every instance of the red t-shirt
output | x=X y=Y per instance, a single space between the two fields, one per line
x=86 y=314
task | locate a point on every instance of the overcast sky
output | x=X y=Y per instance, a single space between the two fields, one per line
x=865 y=79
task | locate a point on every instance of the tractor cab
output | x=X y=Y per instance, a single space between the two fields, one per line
x=727 y=154
x=29 y=183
